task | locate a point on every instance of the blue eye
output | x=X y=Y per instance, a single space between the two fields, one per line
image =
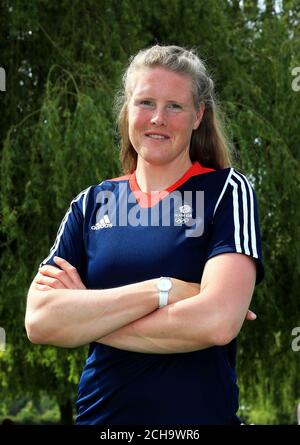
x=146 y=103
x=174 y=107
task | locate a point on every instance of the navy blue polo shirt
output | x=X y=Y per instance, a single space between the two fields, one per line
x=116 y=235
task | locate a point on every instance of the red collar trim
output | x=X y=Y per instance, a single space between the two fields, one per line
x=150 y=199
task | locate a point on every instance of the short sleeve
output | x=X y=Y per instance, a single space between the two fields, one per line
x=235 y=226
x=69 y=242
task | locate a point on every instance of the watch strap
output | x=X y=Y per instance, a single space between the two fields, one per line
x=163 y=298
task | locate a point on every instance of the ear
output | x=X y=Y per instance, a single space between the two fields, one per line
x=199 y=116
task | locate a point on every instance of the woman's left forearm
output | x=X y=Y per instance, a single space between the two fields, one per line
x=213 y=317
x=169 y=330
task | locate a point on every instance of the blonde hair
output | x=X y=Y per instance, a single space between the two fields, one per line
x=209 y=143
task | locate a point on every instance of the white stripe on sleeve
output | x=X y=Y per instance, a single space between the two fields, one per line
x=86 y=192
x=236 y=216
x=63 y=225
x=245 y=213
x=252 y=215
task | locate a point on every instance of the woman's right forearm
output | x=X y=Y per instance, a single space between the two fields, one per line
x=71 y=317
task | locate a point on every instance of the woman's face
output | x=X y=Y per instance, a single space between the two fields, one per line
x=162 y=115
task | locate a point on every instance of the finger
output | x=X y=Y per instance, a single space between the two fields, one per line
x=51 y=282
x=42 y=287
x=49 y=270
x=71 y=270
x=58 y=274
x=251 y=315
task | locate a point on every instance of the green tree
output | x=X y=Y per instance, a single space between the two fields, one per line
x=57 y=136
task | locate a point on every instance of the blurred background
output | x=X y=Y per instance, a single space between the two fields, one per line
x=61 y=64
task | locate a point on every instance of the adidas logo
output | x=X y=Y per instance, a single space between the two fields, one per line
x=104 y=223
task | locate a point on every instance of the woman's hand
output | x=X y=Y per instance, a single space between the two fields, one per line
x=51 y=277
x=250 y=315
x=65 y=276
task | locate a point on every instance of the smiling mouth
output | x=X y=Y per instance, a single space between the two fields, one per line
x=158 y=137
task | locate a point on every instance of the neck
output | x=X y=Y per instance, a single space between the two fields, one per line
x=152 y=177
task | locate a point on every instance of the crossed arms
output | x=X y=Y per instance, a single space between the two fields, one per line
x=62 y=312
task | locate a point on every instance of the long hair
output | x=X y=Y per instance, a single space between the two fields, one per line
x=209 y=145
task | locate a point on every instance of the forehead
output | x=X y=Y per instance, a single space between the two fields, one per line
x=161 y=83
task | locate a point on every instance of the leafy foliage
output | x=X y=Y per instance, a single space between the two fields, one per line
x=64 y=61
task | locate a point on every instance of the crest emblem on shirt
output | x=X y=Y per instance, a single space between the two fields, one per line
x=184 y=215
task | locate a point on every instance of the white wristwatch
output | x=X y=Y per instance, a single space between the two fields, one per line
x=164 y=285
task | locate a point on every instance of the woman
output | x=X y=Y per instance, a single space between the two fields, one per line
x=124 y=273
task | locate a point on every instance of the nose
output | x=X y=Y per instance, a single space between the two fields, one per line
x=158 y=118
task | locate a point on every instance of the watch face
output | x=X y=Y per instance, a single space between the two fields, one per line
x=164 y=284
